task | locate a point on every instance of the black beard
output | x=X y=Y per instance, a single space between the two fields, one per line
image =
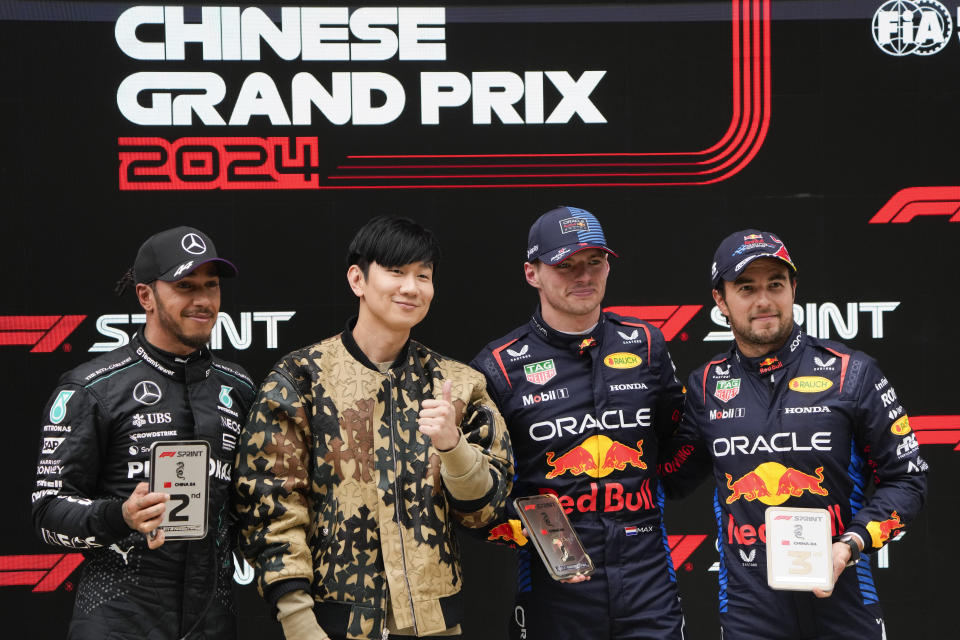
x=194 y=342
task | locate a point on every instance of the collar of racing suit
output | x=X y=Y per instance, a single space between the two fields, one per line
x=194 y=367
x=773 y=361
x=573 y=342
x=354 y=349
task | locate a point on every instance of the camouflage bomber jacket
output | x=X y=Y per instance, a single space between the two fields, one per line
x=339 y=493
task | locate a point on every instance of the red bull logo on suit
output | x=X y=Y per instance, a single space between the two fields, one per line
x=771 y=483
x=597 y=456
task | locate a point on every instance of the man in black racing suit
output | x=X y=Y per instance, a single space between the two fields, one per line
x=795 y=421
x=95 y=447
x=590 y=398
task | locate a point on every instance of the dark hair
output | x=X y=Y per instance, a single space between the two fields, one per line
x=126 y=282
x=392 y=241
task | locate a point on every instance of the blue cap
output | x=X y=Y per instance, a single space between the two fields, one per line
x=743 y=247
x=562 y=232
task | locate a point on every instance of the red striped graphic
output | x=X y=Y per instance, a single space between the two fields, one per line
x=45 y=572
x=45 y=333
x=683 y=546
x=670 y=319
x=912 y=202
x=937 y=430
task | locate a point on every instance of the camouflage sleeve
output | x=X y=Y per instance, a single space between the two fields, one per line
x=485 y=431
x=271 y=487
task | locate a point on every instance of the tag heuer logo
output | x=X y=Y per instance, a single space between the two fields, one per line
x=727 y=390
x=540 y=372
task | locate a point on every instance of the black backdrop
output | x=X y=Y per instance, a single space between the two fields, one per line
x=842 y=148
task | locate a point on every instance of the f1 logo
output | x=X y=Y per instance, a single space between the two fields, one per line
x=45 y=333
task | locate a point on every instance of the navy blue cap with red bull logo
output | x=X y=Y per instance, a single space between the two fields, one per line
x=562 y=232
x=743 y=247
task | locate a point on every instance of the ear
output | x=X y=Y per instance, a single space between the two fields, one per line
x=356 y=280
x=145 y=297
x=720 y=302
x=532 y=275
x=794 y=283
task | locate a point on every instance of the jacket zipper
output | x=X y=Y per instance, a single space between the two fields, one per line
x=398 y=495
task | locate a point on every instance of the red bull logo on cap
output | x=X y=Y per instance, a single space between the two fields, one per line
x=540 y=372
x=597 y=456
x=880 y=532
x=752 y=238
x=727 y=390
x=771 y=483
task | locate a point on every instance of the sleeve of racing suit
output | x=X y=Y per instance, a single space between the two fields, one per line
x=882 y=433
x=485 y=432
x=73 y=440
x=685 y=459
x=270 y=488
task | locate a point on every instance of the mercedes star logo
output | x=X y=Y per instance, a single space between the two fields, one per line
x=147 y=392
x=193 y=244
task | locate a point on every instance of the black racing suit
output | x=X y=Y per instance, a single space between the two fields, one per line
x=95 y=448
x=811 y=425
x=587 y=415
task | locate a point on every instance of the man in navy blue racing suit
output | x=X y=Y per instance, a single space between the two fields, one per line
x=99 y=423
x=587 y=396
x=792 y=420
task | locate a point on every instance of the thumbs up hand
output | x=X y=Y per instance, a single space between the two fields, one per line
x=438 y=420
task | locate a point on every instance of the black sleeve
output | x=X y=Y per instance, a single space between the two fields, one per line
x=73 y=438
x=685 y=459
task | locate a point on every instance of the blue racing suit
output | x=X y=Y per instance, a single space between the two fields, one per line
x=811 y=425
x=586 y=414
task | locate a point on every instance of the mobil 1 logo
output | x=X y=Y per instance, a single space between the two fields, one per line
x=179 y=468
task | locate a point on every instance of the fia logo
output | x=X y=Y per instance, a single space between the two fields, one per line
x=917 y=27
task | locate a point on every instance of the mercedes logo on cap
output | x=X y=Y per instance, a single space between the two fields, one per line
x=147 y=392
x=193 y=244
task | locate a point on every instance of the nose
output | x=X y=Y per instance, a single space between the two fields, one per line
x=408 y=284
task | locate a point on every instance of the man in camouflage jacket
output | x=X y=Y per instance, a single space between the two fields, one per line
x=360 y=453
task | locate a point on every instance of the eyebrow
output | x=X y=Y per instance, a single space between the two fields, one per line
x=748 y=280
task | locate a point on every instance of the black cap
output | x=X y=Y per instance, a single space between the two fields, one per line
x=174 y=254
x=561 y=232
x=743 y=247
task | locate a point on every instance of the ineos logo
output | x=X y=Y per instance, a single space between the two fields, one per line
x=147 y=392
x=193 y=244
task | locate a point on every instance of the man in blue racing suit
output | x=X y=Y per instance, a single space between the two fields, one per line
x=587 y=396
x=792 y=420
